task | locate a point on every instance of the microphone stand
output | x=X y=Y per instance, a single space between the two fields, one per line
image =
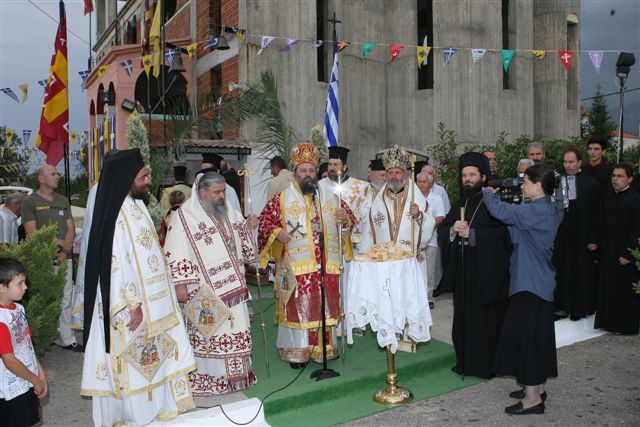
x=324 y=372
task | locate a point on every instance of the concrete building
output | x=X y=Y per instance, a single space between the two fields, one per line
x=381 y=102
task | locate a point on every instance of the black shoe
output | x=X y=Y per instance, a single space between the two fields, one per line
x=295 y=365
x=519 y=394
x=432 y=305
x=518 y=409
x=73 y=347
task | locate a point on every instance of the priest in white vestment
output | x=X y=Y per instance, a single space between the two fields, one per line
x=137 y=353
x=208 y=242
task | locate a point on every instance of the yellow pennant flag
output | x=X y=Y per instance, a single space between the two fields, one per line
x=539 y=53
x=240 y=35
x=9 y=133
x=154 y=37
x=422 y=52
x=192 y=49
x=25 y=92
x=146 y=63
x=101 y=70
x=1 y=152
x=72 y=137
x=83 y=138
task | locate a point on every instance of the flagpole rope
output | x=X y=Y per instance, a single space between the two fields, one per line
x=58 y=22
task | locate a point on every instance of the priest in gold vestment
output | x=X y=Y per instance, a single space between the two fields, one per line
x=299 y=230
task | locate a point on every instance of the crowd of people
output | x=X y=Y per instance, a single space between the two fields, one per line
x=165 y=313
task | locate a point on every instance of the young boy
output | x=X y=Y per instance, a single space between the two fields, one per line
x=22 y=379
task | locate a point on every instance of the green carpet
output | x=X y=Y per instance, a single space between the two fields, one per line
x=332 y=401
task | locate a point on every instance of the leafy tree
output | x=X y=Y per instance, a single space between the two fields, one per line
x=42 y=300
x=599 y=118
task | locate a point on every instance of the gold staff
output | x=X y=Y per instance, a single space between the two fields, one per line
x=413 y=169
x=248 y=172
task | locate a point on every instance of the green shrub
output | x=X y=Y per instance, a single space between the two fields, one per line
x=42 y=300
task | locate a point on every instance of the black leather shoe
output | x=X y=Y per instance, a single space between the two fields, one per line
x=295 y=365
x=518 y=409
x=73 y=347
x=519 y=394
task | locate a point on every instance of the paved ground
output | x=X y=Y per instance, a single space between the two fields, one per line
x=598 y=384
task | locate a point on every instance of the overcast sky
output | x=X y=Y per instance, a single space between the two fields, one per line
x=26 y=46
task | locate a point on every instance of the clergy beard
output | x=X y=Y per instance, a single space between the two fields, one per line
x=219 y=209
x=308 y=186
x=333 y=176
x=472 y=190
x=396 y=187
x=140 y=193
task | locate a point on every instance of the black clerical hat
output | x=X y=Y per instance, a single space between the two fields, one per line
x=322 y=169
x=212 y=158
x=478 y=160
x=376 y=165
x=339 y=153
x=180 y=172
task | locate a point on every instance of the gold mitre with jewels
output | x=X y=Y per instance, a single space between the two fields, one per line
x=305 y=152
x=396 y=157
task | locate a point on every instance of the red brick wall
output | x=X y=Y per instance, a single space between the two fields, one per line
x=178 y=27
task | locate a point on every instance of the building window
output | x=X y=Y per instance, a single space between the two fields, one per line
x=509 y=42
x=131 y=34
x=425 y=30
x=322 y=34
x=572 y=73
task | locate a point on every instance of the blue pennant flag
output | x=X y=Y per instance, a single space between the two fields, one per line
x=332 y=109
x=10 y=93
x=213 y=43
x=128 y=66
x=26 y=134
x=169 y=55
x=448 y=54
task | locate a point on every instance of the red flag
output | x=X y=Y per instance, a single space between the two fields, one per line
x=88 y=6
x=148 y=15
x=53 y=134
x=565 y=57
x=395 y=50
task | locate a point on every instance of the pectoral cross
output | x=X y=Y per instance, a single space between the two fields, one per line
x=295 y=229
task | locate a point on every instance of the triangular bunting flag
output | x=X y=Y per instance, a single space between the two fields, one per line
x=596 y=59
x=266 y=41
x=42 y=83
x=422 y=52
x=192 y=49
x=448 y=54
x=565 y=57
x=477 y=54
x=147 y=61
x=539 y=53
x=10 y=93
x=366 y=49
x=102 y=69
x=25 y=91
x=128 y=66
x=394 y=50
x=318 y=43
x=26 y=134
x=342 y=45
x=83 y=75
x=169 y=54
x=507 y=56
x=72 y=137
x=8 y=134
x=288 y=45
x=239 y=34
x=213 y=43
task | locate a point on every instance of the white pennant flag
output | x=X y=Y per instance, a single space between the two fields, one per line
x=596 y=59
x=476 y=56
x=266 y=41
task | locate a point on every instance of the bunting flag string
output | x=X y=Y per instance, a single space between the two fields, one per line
x=25 y=92
x=10 y=93
x=507 y=56
x=448 y=54
x=287 y=46
x=596 y=59
x=266 y=41
x=423 y=53
x=565 y=57
x=540 y=54
x=192 y=49
x=366 y=49
x=42 y=83
x=395 y=50
x=342 y=45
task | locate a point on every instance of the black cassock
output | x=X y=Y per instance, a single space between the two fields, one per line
x=618 y=304
x=602 y=175
x=576 y=290
x=479 y=304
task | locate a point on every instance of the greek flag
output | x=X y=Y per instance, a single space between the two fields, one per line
x=128 y=66
x=331 y=110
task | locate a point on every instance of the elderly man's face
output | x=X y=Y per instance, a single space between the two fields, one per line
x=396 y=178
x=424 y=183
x=536 y=154
x=493 y=160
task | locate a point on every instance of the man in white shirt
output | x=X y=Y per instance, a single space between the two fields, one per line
x=438 y=189
x=428 y=256
x=9 y=214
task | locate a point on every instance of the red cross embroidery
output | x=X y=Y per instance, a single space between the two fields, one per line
x=205 y=233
